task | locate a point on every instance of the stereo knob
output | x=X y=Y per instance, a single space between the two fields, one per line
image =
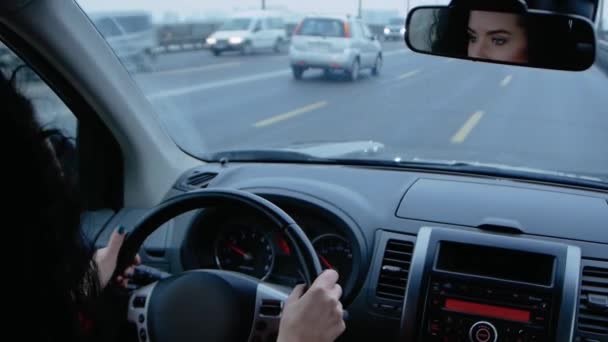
x=483 y=332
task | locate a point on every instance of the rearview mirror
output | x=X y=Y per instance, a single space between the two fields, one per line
x=529 y=38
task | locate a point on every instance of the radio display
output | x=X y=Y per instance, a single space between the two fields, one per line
x=507 y=264
x=487 y=310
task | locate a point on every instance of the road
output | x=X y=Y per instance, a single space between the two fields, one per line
x=419 y=107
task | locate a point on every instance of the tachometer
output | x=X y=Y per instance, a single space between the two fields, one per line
x=244 y=249
x=336 y=253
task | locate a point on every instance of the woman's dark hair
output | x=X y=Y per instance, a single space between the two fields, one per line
x=54 y=272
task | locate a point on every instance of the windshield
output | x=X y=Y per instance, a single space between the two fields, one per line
x=107 y=27
x=321 y=27
x=239 y=24
x=295 y=88
x=133 y=24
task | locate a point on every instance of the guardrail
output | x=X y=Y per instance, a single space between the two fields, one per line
x=184 y=36
x=193 y=36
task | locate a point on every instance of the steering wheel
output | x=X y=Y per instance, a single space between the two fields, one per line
x=212 y=305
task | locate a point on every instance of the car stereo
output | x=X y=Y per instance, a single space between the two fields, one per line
x=489 y=288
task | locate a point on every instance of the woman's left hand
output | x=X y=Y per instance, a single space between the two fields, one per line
x=106 y=259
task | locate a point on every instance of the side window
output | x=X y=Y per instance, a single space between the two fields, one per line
x=366 y=31
x=277 y=24
x=258 y=25
x=57 y=121
x=356 y=29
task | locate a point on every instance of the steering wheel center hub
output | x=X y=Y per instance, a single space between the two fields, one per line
x=201 y=306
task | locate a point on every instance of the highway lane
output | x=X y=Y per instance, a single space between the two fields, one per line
x=419 y=107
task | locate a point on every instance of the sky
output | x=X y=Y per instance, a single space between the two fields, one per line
x=200 y=8
x=195 y=9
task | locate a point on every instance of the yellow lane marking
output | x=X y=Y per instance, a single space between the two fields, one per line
x=291 y=114
x=468 y=126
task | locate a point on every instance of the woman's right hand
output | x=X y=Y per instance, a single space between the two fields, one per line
x=315 y=316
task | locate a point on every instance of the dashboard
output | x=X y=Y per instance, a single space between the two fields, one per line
x=422 y=256
x=237 y=239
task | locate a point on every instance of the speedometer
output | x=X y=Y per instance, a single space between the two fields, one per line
x=335 y=252
x=245 y=249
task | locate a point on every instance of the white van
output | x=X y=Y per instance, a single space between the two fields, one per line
x=249 y=32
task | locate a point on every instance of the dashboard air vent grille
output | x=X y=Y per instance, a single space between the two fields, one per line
x=593 y=305
x=395 y=269
x=200 y=180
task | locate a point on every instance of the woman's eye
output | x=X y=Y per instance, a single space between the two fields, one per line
x=499 y=41
x=472 y=39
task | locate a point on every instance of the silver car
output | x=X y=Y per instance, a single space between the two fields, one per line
x=132 y=35
x=334 y=43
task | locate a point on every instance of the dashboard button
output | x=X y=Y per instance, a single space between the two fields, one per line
x=483 y=332
x=435 y=327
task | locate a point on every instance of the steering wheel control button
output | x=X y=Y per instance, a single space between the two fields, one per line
x=141 y=318
x=143 y=336
x=139 y=302
x=483 y=332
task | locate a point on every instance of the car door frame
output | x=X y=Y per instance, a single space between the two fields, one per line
x=268 y=32
x=357 y=40
x=257 y=37
x=369 y=49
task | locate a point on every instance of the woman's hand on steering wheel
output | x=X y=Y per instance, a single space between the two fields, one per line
x=106 y=258
x=317 y=314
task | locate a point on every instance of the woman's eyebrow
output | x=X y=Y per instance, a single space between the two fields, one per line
x=501 y=31
x=471 y=30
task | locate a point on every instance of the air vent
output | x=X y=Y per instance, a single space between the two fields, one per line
x=593 y=306
x=395 y=270
x=200 y=180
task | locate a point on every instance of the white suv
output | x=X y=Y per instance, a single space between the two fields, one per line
x=334 y=43
x=249 y=32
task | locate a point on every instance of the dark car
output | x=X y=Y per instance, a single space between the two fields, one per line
x=395 y=29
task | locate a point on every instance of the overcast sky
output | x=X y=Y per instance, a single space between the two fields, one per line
x=195 y=8
x=185 y=9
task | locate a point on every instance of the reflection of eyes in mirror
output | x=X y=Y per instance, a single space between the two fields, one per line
x=537 y=39
x=497 y=36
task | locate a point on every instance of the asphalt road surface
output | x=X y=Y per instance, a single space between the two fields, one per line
x=419 y=106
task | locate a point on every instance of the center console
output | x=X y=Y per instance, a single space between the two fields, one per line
x=481 y=287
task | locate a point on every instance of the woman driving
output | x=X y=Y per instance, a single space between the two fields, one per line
x=497 y=36
x=469 y=30
x=67 y=278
